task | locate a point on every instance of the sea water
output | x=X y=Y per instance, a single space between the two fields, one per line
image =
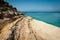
x=50 y=18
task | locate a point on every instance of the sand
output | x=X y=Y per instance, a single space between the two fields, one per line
x=26 y=28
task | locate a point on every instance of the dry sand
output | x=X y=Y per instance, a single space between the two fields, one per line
x=45 y=31
x=29 y=29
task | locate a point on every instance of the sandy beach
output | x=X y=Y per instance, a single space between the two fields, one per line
x=29 y=29
x=15 y=25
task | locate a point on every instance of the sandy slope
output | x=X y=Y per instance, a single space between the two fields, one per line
x=29 y=29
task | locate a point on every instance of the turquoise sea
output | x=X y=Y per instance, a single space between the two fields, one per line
x=48 y=17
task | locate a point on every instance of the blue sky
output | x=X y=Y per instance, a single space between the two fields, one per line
x=36 y=5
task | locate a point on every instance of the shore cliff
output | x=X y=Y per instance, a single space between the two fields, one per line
x=16 y=26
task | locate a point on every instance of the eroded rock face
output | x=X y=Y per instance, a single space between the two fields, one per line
x=7 y=10
x=8 y=13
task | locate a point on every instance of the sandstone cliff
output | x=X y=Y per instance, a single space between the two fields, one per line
x=20 y=27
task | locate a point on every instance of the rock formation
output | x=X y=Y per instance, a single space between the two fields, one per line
x=16 y=26
x=8 y=13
